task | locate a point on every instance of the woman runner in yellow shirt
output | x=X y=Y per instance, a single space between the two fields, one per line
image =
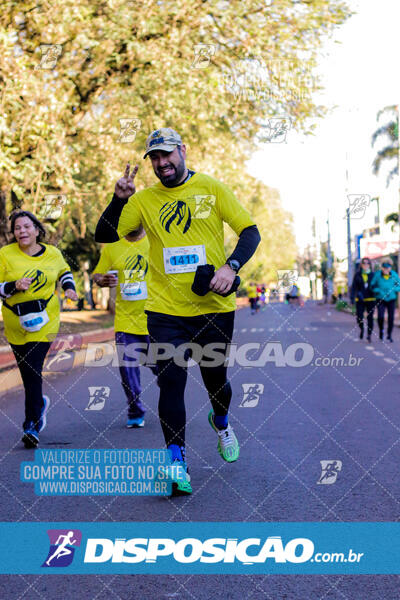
x=29 y=271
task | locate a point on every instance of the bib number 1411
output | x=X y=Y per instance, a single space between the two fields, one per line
x=184 y=259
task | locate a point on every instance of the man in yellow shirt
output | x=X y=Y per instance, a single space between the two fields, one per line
x=183 y=216
x=129 y=258
x=252 y=296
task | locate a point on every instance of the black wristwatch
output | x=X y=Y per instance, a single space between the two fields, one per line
x=234 y=264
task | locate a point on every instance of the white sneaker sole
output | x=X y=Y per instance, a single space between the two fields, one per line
x=46 y=400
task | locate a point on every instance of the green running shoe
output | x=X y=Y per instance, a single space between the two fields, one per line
x=177 y=474
x=228 y=446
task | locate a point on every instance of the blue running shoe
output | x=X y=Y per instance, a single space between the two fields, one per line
x=30 y=437
x=43 y=419
x=134 y=423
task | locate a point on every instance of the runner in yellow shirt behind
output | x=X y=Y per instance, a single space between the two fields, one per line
x=253 y=297
x=129 y=258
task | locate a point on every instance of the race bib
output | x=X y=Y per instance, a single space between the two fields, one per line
x=136 y=290
x=184 y=259
x=34 y=321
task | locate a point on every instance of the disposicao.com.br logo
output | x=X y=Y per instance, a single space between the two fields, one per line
x=247 y=551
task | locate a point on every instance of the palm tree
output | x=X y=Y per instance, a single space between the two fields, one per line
x=392 y=218
x=391 y=151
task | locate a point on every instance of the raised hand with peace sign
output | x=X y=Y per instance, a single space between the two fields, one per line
x=125 y=187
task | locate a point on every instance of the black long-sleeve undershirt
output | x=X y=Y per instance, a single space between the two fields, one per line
x=246 y=245
x=106 y=230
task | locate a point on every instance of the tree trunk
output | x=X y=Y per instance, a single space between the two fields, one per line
x=3 y=218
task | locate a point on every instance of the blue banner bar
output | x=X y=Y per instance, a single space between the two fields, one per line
x=201 y=547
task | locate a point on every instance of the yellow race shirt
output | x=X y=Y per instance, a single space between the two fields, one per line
x=185 y=229
x=45 y=270
x=251 y=292
x=131 y=261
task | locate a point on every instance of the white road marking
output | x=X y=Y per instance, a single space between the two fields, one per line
x=390 y=361
x=378 y=353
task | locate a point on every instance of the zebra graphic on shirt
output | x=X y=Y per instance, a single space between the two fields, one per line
x=39 y=279
x=176 y=211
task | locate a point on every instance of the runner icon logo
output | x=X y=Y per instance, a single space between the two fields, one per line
x=50 y=56
x=204 y=204
x=63 y=360
x=276 y=130
x=202 y=55
x=330 y=470
x=251 y=394
x=128 y=129
x=53 y=206
x=62 y=547
x=98 y=397
x=287 y=278
x=358 y=204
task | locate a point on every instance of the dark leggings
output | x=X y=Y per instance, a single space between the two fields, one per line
x=369 y=306
x=30 y=358
x=201 y=330
x=390 y=305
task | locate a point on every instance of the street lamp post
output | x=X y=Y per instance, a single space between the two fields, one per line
x=329 y=263
x=349 y=255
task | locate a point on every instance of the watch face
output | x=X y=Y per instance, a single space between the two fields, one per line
x=234 y=265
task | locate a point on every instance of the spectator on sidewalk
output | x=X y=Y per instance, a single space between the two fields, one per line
x=363 y=297
x=386 y=284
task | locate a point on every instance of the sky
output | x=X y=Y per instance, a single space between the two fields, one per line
x=360 y=77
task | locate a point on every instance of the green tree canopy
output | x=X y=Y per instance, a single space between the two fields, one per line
x=214 y=70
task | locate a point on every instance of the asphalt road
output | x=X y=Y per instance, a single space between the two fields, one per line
x=303 y=415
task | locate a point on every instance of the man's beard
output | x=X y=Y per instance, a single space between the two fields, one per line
x=174 y=178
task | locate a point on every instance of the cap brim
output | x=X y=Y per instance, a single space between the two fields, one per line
x=165 y=147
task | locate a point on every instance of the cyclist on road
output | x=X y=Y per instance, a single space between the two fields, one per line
x=29 y=272
x=129 y=258
x=183 y=216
